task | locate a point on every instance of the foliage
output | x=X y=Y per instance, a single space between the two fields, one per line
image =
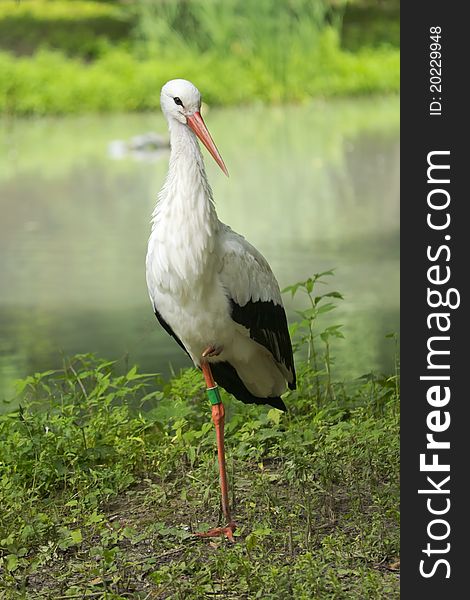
x=103 y=478
x=319 y=304
x=80 y=28
x=236 y=51
x=370 y=23
x=48 y=83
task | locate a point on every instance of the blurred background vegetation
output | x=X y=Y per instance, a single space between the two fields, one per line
x=73 y=56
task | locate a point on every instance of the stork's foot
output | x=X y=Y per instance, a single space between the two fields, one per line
x=226 y=531
x=212 y=351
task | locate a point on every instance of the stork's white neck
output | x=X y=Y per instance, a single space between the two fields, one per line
x=184 y=223
x=186 y=187
x=184 y=147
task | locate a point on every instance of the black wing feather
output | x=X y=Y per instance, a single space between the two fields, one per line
x=169 y=330
x=267 y=324
x=227 y=377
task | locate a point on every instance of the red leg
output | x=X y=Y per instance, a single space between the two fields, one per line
x=218 y=416
x=206 y=371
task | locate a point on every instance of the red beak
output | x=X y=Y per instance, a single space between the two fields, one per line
x=196 y=122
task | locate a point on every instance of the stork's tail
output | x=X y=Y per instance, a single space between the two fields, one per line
x=227 y=377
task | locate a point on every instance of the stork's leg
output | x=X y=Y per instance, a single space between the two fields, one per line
x=218 y=416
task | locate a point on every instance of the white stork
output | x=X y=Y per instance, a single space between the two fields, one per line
x=210 y=289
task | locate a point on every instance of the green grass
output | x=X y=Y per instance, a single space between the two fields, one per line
x=104 y=478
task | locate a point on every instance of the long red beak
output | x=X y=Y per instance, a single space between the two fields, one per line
x=196 y=122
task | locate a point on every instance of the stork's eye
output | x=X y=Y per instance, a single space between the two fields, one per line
x=178 y=101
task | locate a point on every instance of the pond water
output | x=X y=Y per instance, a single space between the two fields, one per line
x=314 y=187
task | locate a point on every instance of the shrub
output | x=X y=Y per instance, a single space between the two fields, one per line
x=80 y=28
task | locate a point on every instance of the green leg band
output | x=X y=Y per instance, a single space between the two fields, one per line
x=214 y=395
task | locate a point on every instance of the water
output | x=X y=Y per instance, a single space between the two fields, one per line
x=313 y=187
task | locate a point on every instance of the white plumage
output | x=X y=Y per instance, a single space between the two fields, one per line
x=208 y=285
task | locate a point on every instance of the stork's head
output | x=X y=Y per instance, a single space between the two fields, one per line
x=181 y=102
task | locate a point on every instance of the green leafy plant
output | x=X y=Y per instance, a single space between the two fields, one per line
x=104 y=477
x=306 y=333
